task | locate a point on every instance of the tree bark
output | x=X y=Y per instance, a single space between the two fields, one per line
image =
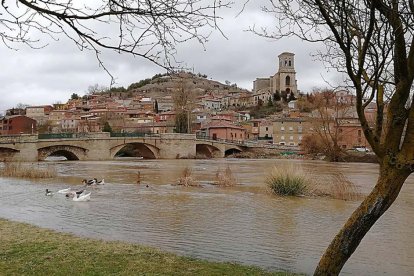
x=371 y=209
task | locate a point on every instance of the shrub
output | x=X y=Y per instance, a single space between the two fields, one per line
x=226 y=178
x=287 y=181
x=18 y=170
x=186 y=178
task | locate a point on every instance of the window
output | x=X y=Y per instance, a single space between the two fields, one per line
x=300 y=129
x=282 y=137
x=359 y=133
x=291 y=144
x=300 y=138
x=291 y=138
x=290 y=63
x=282 y=128
x=291 y=128
x=267 y=129
x=287 y=81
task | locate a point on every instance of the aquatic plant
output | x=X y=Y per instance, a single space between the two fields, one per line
x=287 y=181
x=342 y=188
x=186 y=178
x=225 y=178
x=17 y=169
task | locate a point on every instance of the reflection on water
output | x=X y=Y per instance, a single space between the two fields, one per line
x=242 y=224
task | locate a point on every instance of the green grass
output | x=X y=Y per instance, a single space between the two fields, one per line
x=29 y=250
x=287 y=181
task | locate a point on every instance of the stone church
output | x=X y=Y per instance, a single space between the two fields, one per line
x=284 y=81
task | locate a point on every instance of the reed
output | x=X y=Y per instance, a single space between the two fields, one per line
x=26 y=171
x=287 y=181
x=187 y=178
x=225 y=178
x=342 y=188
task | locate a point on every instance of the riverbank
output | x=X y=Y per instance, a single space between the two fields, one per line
x=30 y=250
x=267 y=153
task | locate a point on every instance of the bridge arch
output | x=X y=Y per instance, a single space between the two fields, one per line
x=7 y=153
x=231 y=151
x=207 y=151
x=135 y=149
x=70 y=152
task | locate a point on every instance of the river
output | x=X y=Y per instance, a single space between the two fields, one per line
x=243 y=224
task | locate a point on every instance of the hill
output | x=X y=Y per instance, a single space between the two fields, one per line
x=162 y=85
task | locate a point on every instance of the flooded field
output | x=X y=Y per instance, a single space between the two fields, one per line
x=242 y=224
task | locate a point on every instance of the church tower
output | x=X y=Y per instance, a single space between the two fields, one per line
x=284 y=80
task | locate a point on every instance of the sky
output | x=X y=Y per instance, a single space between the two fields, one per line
x=51 y=74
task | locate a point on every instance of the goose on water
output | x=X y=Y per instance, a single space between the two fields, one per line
x=48 y=193
x=82 y=197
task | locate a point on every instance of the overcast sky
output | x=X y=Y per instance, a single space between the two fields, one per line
x=52 y=74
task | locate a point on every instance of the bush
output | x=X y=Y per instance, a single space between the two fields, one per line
x=226 y=178
x=186 y=178
x=287 y=181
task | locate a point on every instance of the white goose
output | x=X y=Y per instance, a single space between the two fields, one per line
x=82 y=197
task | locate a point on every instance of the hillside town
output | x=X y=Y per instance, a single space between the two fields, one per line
x=274 y=113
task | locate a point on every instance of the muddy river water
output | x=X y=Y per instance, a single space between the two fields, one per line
x=243 y=224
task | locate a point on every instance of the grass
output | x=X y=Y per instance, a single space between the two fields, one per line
x=225 y=178
x=29 y=250
x=24 y=171
x=287 y=181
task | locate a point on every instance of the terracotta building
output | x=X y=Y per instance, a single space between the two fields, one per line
x=351 y=134
x=223 y=130
x=17 y=124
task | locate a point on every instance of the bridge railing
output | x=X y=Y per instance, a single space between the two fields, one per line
x=77 y=135
x=55 y=136
x=131 y=134
x=208 y=138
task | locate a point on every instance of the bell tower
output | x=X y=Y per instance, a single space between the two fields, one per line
x=284 y=80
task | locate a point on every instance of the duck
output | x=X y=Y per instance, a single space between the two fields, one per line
x=89 y=182
x=48 y=193
x=100 y=182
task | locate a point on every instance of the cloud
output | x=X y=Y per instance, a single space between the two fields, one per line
x=52 y=74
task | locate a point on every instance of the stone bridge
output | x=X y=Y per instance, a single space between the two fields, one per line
x=101 y=146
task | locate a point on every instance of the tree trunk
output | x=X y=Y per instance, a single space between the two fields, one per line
x=371 y=209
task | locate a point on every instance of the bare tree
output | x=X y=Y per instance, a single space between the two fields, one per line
x=327 y=121
x=150 y=29
x=372 y=42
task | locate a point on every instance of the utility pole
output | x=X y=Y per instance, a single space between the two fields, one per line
x=188 y=121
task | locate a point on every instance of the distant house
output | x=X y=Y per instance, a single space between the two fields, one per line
x=351 y=134
x=17 y=124
x=225 y=130
x=166 y=116
x=266 y=130
x=39 y=113
x=290 y=131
